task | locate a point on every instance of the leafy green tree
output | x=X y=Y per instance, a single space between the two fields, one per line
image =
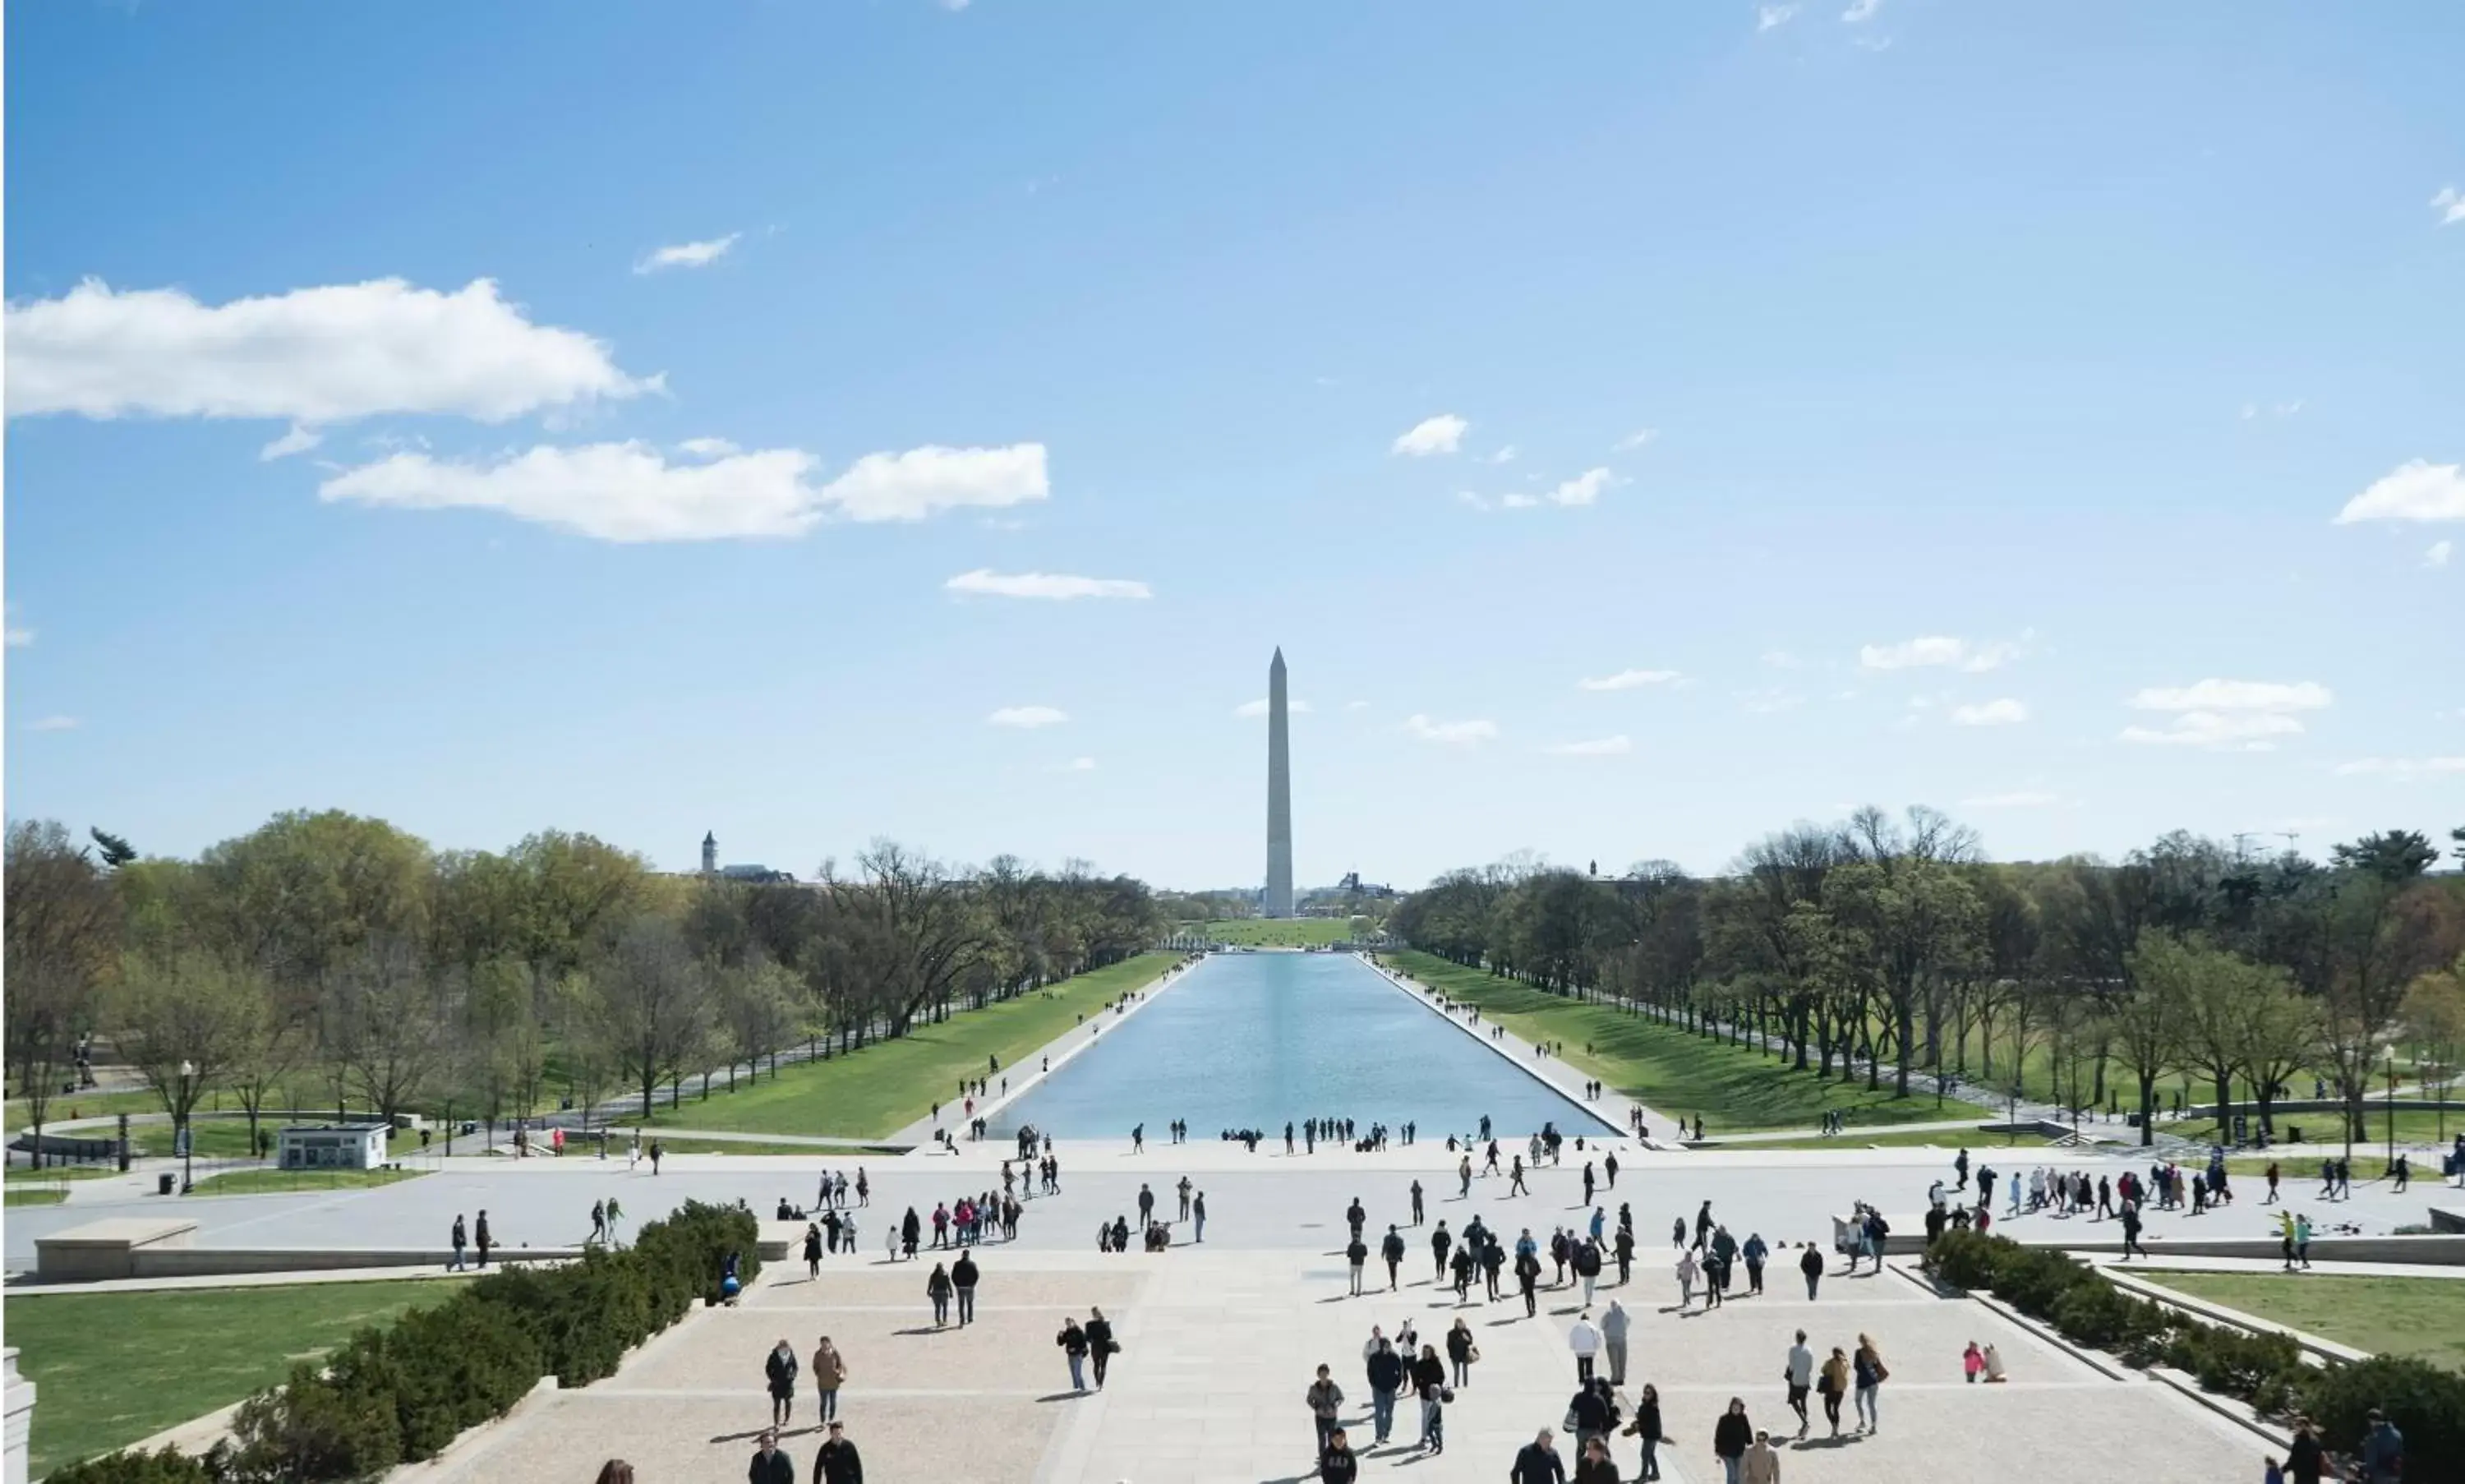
x=63 y=924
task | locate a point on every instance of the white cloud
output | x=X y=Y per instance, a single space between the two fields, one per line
x=913 y=485
x=1504 y=455
x=2450 y=204
x=1076 y=766
x=688 y=255
x=1861 y=11
x=2001 y=712
x=1054 y=587
x=298 y=440
x=1767 y=16
x=1596 y=748
x=2241 y=716
x=1627 y=679
x=2404 y=769
x=2229 y=731
x=707 y=448
x=1455 y=734
x=2018 y=799
x=52 y=724
x=629 y=492
x=312 y=356
x=2417 y=490
x=1439 y=434
x=1259 y=707
x=2439 y=553
x=2235 y=696
x=1937 y=649
x=20 y=638
x=2253 y=411
x=1643 y=436
x=1028 y=718
x=1581 y=490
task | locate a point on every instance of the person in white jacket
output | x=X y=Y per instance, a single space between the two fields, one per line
x=1585 y=1339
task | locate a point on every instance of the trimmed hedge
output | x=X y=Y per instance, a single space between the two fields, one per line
x=401 y=1394
x=2426 y=1402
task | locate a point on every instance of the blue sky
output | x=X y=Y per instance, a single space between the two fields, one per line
x=1929 y=400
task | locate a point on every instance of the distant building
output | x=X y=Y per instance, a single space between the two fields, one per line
x=710 y=854
x=332 y=1147
x=758 y=876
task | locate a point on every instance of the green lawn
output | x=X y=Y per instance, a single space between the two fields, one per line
x=276 y=1182
x=1276 y=932
x=2412 y=1127
x=116 y=1367
x=27 y=1174
x=2424 y=1317
x=686 y=1143
x=1682 y=1075
x=79 y=1105
x=1947 y=1140
x=40 y=1195
x=889 y=1084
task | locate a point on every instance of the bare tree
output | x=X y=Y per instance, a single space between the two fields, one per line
x=651 y=1003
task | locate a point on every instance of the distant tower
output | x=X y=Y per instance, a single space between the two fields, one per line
x=1280 y=795
x=709 y=854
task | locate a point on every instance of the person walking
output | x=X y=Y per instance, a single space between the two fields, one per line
x=1688 y=1270
x=1185 y=1188
x=813 y=1250
x=1338 y=1464
x=1198 y=1217
x=962 y=1282
x=1593 y=1411
x=1429 y=1387
x=615 y=1219
x=1647 y=1428
x=1731 y=1436
x=485 y=1241
x=838 y=1461
x=1594 y=1465
x=779 y=1370
x=1101 y=1345
x=1756 y=1254
x=1387 y=1375
x=1417 y=1203
x=1515 y=1179
x=1587 y=1266
x=598 y=1220
x=830 y=1373
x=1073 y=1341
x=1325 y=1401
x=461 y=1240
x=1623 y=1245
x=769 y=1465
x=1761 y=1465
x=1799 y=1371
x=1831 y=1383
x=1585 y=1339
x=1463 y=1351
x=1870 y=1372
x=1392 y=1249
x=938 y=1288
x=1357 y=1253
x=2130 y=1229
x=1538 y=1463
x=1614 y=1325
x=2383 y=1457
x=1528 y=1279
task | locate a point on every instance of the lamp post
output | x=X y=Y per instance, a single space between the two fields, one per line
x=187 y=1133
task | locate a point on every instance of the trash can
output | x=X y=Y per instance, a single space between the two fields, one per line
x=164 y=1183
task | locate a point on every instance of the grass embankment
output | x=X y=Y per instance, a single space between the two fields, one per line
x=1274 y=932
x=1945 y=1138
x=883 y=1087
x=37 y=1195
x=116 y=1367
x=2423 y=1317
x=1680 y=1074
x=284 y=1182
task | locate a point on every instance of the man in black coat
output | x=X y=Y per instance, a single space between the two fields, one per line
x=1392 y=1249
x=769 y=1465
x=837 y=1462
x=1538 y=1463
x=962 y=1279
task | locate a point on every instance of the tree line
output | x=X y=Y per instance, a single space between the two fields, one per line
x=1892 y=947
x=336 y=954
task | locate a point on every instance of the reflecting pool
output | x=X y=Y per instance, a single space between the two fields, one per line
x=1254 y=1039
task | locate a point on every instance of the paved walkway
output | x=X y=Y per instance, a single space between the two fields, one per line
x=1218 y=1346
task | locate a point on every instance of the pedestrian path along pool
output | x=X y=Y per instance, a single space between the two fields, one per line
x=1251 y=1040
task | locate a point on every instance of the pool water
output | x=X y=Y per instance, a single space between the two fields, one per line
x=1254 y=1039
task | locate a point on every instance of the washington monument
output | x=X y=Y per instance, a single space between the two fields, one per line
x=1280 y=795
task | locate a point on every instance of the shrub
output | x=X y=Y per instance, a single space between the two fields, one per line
x=401 y=1394
x=170 y=1465
x=2426 y=1402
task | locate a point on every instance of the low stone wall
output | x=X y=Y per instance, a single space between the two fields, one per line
x=219 y=1262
